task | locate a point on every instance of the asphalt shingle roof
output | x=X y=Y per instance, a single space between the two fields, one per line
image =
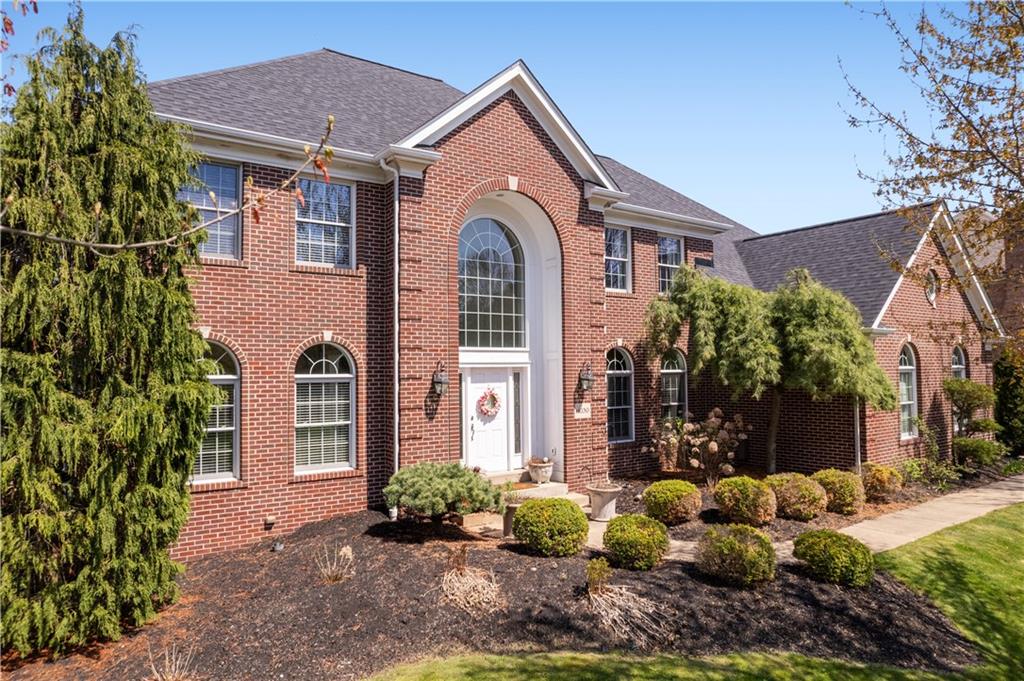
x=846 y=255
x=373 y=105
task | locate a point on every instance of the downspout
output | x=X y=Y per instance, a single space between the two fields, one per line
x=856 y=435
x=393 y=512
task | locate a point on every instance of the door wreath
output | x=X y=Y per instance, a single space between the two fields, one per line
x=489 y=403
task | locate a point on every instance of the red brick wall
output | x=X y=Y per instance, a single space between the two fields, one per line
x=933 y=331
x=267 y=311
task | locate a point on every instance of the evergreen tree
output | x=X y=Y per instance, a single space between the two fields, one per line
x=104 y=390
x=804 y=337
x=1008 y=373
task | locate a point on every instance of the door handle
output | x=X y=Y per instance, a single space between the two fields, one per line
x=472 y=428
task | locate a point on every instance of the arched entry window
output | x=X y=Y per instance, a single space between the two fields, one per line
x=958 y=366
x=491 y=310
x=673 y=385
x=325 y=391
x=218 y=455
x=619 y=375
x=908 y=392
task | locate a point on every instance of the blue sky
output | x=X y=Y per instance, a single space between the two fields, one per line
x=737 y=105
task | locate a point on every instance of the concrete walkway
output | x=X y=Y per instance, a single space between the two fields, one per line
x=890 y=530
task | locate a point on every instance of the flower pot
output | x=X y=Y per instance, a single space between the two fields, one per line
x=540 y=472
x=602 y=501
x=506 y=520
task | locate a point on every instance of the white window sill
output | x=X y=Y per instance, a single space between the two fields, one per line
x=213 y=479
x=299 y=472
x=624 y=441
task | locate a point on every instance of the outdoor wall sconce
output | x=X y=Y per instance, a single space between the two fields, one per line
x=440 y=381
x=586 y=378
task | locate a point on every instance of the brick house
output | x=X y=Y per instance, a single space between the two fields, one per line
x=476 y=238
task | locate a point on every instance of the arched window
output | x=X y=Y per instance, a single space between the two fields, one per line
x=908 y=392
x=958 y=366
x=324 y=409
x=491 y=313
x=218 y=455
x=620 y=396
x=673 y=385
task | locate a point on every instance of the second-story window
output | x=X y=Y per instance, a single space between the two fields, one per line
x=670 y=256
x=323 y=226
x=224 y=238
x=616 y=259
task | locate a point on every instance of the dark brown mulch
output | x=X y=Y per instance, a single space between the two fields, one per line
x=253 y=614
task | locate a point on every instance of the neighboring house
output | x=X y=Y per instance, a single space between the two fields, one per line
x=510 y=260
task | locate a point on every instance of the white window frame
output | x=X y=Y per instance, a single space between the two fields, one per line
x=235 y=381
x=237 y=252
x=958 y=369
x=351 y=225
x=350 y=378
x=674 y=268
x=931 y=287
x=628 y=259
x=632 y=394
x=684 y=384
x=911 y=369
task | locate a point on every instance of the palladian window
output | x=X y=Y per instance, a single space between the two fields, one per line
x=325 y=389
x=491 y=290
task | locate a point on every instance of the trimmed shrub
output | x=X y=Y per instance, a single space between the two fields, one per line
x=834 y=557
x=635 y=541
x=977 y=452
x=881 y=483
x=796 y=496
x=844 y=489
x=551 y=527
x=745 y=500
x=736 y=554
x=672 y=501
x=435 y=489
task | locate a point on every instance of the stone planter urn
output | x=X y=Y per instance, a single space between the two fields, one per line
x=506 y=520
x=540 y=470
x=602 y=500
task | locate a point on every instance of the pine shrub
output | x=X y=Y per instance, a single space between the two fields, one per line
x=105 y=394
x=881 y=483
x=551 y=527
x=436 y=489
x=672 y=501
x=636 y=542
x=844 y=489
x=745 y=500
x=736 y=554
x=797 y=497
x=835 y=557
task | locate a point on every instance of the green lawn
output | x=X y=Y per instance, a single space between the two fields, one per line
x=974 y=572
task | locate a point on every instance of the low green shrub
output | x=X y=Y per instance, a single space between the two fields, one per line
x=551 y=527
x=598 y=574
x=844 y=489
x=930 y=472
x=1015 y=467
x=881 y=483
x=834 y=557
x=976 y=452
x=736 y=554
x=672 y=501
x=796 y=496
x=745 y=500
x=435 y=489
x=635 y=542
x=984 y=425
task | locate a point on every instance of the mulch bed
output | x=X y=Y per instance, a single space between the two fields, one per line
x=252 y=613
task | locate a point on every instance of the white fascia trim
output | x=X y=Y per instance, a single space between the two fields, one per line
x=518 y=79
x=600 y=198
x=662 y=221
x=409 y=162
x=899 y=281
x=976 y=287
x=234 y=144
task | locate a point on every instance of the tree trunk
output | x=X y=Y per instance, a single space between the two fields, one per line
x=773 y=426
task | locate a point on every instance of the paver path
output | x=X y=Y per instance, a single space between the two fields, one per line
x=890 y=530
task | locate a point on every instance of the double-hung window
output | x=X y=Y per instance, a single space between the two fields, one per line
x=325 y=390
x=324 y=233
x=908 y=393
x=224 y=238
x=670 y=257
x=218 y=455
x=958 y=368
x=619 y=375
x=673 y=385
x=616 y=259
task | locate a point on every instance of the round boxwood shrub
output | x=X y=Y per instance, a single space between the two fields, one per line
x=844 y=489
x=881 y=483
x=745 y=500
x=736 y=554
x=797 y=497
x=635 y=542
x=551 y=527
x=672 y=501
x=834 y=557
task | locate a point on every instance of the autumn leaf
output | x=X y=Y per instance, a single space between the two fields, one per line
x=322 y=168
x=256 y=215
x=299 y=197
x=8 y=25
x=8 y=89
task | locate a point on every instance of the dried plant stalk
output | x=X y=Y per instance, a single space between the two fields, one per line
x=176 y=665
x=337 y=566
x=473 y=590
x=629 y=617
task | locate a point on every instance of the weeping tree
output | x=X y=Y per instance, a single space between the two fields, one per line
x=104 y=391
x=802 y=337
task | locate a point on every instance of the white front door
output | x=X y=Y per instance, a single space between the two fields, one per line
x=490 y=438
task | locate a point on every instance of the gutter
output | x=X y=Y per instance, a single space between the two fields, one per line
x=393 y=512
